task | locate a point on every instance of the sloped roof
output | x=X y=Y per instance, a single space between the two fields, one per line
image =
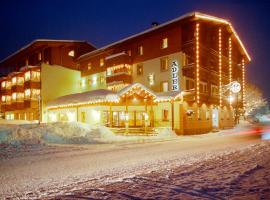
x=43 y=40
x=195 y=15
x=103 y=95
x=83 y=98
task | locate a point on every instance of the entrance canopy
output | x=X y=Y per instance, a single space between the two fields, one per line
x=108 y=96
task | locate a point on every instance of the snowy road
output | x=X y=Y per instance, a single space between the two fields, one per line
x=64 y=172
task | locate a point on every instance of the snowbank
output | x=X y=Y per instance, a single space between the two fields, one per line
x=70 y=133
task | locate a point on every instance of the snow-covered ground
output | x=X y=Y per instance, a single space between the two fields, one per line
x=199 y=166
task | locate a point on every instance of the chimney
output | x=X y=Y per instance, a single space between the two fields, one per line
x=154 y=24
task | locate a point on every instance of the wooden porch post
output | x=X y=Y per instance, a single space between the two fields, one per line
x=110 y=115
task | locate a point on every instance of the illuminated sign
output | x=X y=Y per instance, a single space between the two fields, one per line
x=235 y=87
x=175 y=82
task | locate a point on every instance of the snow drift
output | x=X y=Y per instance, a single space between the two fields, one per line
x=69 y=133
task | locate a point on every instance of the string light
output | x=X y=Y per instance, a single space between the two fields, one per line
x=230 y=64
x=223 y=21
x=243 y=84
x=197 y=34
x=220 y=64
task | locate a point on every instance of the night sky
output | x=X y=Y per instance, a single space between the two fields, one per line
x=102 y=21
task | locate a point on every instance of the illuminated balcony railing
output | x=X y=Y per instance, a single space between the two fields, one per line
x=119 y=74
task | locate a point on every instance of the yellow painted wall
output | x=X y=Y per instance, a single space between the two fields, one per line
x=57 y=81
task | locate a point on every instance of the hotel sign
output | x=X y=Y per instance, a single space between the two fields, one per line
x=235 y=87
x=175 y=69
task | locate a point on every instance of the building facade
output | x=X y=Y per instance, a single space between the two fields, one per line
x=178 y=74
x=37 y=73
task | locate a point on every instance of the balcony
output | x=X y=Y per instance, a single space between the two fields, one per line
x=121 y=77
x=118 y=59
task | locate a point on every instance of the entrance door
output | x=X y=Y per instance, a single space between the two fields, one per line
x=215 y=118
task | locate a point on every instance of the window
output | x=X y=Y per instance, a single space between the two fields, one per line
x=83 y=117
x=27 y=76
x=151 y=79
x=140 y=69
x=89 y=66
x=27 y=94
x=101 y=62
x=207 y=114
x=71 y=53
x=3 y=98
x=26 y=62
x=164 y=64
x=102 y=79
x=165 y=115
x=39 y=56
x=189 y=84
x=164 y=86
x=3 y=84
x=199 y=113
x=164 y=43
x=128 y=52
x=140 y=50
x=203 y=87
x=214 y=90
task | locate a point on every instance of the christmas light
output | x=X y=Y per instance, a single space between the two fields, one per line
x=220 y=64
x=197 y=35
x=243 y=84
x=230 y=64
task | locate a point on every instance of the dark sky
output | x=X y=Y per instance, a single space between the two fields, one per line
x=104 y=21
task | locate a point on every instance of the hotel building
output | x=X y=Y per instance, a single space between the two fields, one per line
x=177 y=74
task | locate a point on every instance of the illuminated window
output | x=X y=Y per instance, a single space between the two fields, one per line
x=39 y=56
x=164 y=64
x=35 y=94
x=140 y=69
x=20 y=80
x=89 y=66
x=71 y=53
x=26 y=62
x=27 y=76
x=8 y=99
x=20 y=97
x=102 y=79
x=109 y=71
x=35 y=76
x=14 y=80
x=14 y=96
x=165 y=115
x=165 y=86
x=101 y=62
x=8 y=85
x=3 y=98
x=3 y=84
x=27 y=93
x=140 y=50
x=164 y=43
x=151 y=79
x=83 y=82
